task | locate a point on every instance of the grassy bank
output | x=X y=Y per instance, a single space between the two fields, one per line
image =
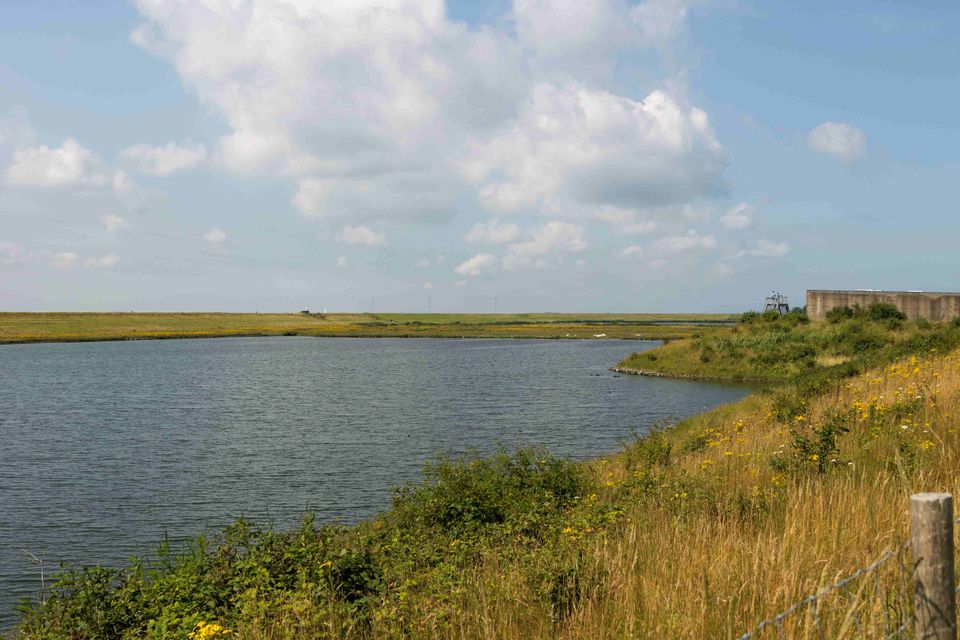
x=699 y=530
x=772 y=349
x=81 y=327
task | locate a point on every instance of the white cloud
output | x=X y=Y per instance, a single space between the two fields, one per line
x=422 y=263
x=576 y=149
x=768 y=249
x=428 y=286
x=42 y=167
x=478 y=264
x=638 y=228
x=633 y=251
x=839 y=139
x=740 y=217
x=109 y=260
x=342 y=262
x=361 y=235
x=112 y=222
x=64 y=260
x=690 y=242
x=492 y=232
x=586 y=33
x=167 y=159
x=423 y=196
x=215 y=236
x=553 y=236
x=388 y=109
x=365 y=102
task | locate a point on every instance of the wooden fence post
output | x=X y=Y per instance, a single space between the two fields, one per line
x=931 y=541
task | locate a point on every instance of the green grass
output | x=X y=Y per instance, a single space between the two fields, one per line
x=771 y=349
x=68 y=327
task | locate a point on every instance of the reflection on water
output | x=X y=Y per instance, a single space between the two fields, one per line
x=108 y=446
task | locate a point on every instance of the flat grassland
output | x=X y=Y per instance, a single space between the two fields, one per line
x=81 y=327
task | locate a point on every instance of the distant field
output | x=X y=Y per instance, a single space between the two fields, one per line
x=81 y=327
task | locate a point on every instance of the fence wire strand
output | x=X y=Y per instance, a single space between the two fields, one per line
x=811 y=600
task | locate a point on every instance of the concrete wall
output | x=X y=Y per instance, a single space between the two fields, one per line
x=933 y=306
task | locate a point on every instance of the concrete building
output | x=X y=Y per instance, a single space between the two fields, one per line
x=931 y=305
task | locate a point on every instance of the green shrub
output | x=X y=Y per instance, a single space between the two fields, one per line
x=839 y=314
x=884 y=311
x=470 y=493
x=654 y=449
x=788 y=404
x=816 y=446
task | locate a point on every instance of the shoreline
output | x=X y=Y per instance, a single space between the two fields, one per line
x=686 y=376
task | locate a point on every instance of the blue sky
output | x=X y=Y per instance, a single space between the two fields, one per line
x=590 y=155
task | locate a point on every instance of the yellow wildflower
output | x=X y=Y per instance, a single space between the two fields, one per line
x=209 y=631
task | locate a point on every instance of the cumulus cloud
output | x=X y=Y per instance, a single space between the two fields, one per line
x=109 y=260
x=342 y=262
x=64 y=260
x=165 y=160
x=112 y=222
x=388 y=109
x=425 y=195
x=68 y=165
x=577 y=148
x=687 y=243
x=553 y=236
x=492 y=232
x=428 y=286
x=739 y=217
x=478 y=264
x=585 y=33
x=638 y=228
x=839 y=139
x=216 y=236
x=365 y=101
x=633 y=251
x=361 y=235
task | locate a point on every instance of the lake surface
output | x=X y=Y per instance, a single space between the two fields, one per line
x=105 y=447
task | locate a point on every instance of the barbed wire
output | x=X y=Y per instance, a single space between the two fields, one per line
x=812 y=599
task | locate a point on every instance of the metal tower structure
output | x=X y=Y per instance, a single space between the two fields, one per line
x=776 y=302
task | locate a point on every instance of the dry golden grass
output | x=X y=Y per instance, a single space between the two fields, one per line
x=831 y=360
x=698 y=573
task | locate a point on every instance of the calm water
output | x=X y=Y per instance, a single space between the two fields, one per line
x=104 y=447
